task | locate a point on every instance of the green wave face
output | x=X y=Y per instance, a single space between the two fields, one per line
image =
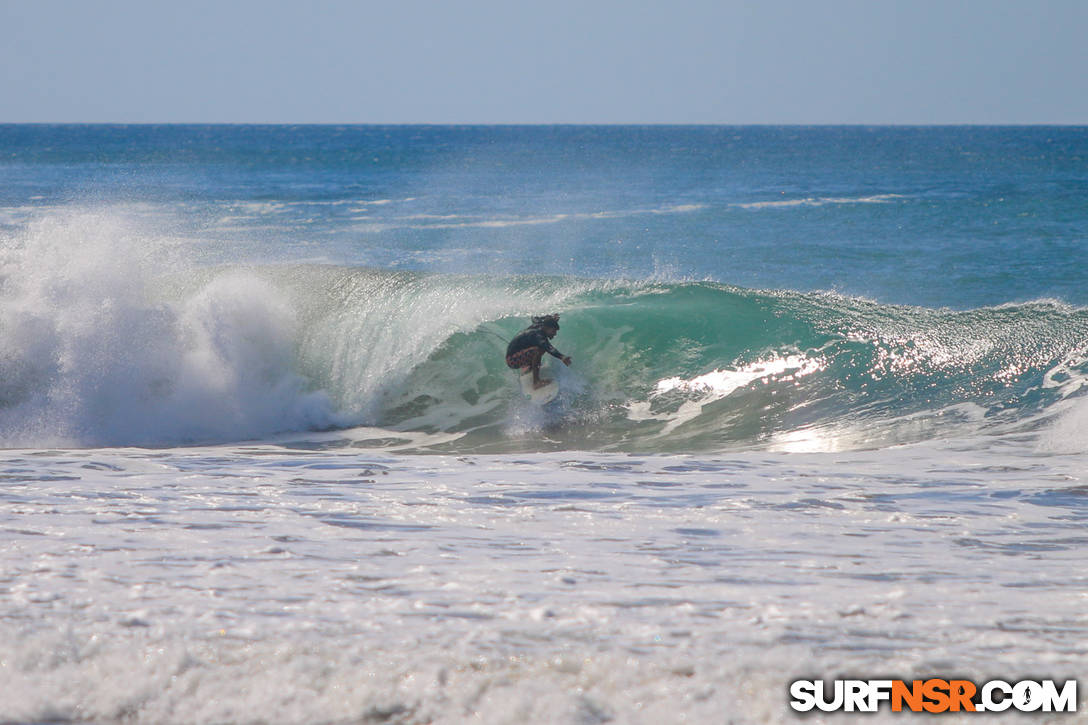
x=685 y=366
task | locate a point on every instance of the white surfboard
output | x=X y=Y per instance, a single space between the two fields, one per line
x=542 y=395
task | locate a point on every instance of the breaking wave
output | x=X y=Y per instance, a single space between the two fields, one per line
x=113 y=337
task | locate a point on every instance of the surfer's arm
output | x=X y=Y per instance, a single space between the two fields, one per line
x=554 y=353
x=549 y=348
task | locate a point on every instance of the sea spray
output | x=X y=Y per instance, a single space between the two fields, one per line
x=100 y=347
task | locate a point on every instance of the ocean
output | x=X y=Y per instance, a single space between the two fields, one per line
x=263 y=461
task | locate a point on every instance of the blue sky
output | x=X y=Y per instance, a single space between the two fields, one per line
x=484 y=61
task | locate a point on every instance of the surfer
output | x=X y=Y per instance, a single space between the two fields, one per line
x=528 y=347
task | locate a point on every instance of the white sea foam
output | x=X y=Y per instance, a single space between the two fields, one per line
x=265 y=583
x=820 y=201
x=720 y=383
x=704 y=389
x=1067 y=431
x=468 y=222
x=109 y=336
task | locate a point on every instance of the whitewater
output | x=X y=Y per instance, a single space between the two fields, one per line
x=264 y=461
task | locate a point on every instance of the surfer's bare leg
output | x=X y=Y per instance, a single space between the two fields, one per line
x=535 y=365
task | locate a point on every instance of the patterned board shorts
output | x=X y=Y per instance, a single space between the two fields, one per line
x=523 y=358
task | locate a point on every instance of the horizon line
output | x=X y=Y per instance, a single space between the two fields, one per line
x=569 y=124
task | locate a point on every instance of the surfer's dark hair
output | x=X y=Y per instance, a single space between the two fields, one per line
x=546 y=321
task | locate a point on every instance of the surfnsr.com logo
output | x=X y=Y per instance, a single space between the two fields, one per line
x=933 y=695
